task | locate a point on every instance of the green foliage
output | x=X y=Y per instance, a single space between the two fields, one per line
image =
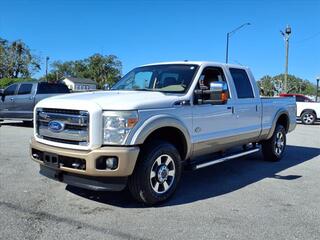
x=271 y=86
x=102 y=69
x=16 y=60
x=4 y=82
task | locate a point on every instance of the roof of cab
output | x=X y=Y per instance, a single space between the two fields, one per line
x=198 y=63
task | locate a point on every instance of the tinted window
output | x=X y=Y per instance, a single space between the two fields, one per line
x=242 y=83
x=302 y=99
x=25 y=88
x=10 y=90
x=51 y=88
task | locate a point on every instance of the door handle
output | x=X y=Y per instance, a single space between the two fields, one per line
x=11 y=99
x=231 y=108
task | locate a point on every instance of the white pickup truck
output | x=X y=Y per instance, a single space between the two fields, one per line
x=155 y=121
x=308 y=111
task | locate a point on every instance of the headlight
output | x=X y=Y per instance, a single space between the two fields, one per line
x=117 y=126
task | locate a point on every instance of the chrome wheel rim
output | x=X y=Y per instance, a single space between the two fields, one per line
x=308 y=118
x=162 y=174
x=279 y=143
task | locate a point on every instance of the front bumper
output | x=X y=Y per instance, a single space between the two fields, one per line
x=127 y=157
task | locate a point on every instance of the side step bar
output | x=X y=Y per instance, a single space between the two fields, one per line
x=224 y=159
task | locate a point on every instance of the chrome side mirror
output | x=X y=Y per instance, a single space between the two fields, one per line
x=217 y=94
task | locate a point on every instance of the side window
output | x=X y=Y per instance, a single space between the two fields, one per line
x=300 y=99
x=211 y=74
x=10 y=90
x=25 y=88
x=242 y=83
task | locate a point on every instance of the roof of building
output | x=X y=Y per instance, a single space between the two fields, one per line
x=81 y=80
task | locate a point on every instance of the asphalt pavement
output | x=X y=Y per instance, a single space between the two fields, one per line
x=245 y=198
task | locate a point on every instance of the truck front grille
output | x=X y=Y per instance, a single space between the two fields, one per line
x=63 y=126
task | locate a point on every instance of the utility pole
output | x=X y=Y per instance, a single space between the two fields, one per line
x=286 y=36
x=47 y=60
x=318 y=78
x=229 y=35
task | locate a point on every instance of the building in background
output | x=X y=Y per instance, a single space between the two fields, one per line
x=80 y=84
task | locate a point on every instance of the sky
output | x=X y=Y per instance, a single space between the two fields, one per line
x=145 y=31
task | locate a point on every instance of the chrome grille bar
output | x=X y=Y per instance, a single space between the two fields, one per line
x=75 y=126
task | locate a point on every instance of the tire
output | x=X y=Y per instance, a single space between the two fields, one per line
x=308 y=117
x=273 y=149
x=156 y=174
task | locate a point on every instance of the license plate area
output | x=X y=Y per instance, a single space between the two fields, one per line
x=51 y=160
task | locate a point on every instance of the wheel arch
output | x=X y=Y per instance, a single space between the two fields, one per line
x=281 y=117
x=168 y=128
x=308 y=110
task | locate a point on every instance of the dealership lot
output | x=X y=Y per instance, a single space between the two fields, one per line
x=245 y=198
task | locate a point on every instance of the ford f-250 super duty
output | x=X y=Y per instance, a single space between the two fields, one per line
x=156 y=120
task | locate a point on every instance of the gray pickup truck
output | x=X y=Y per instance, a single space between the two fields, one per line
x=18 y=100
x=156 y=120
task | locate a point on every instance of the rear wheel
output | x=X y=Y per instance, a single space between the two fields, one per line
x=273 y=148
x=308 y=117
x=157 y=173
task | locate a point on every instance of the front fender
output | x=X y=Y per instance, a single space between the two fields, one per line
x=156 y=122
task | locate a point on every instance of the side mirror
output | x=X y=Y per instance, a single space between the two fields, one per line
x=217 y=94
x=106 y=86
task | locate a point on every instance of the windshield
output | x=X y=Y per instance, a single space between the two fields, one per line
x=164 y=78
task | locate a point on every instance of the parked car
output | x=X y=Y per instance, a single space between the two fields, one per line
x=18 y=100
x=156 y=120
x=308 y=111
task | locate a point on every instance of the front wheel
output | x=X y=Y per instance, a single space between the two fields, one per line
x=157 y=173
x=273 y=148
x=308 y=118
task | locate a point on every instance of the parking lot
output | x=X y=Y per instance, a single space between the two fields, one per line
x=245 y=198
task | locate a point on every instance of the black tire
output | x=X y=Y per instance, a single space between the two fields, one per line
x=273 y=149
x=308 y=117
x=142 y=186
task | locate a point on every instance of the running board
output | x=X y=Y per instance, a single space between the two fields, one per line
x=224 y=159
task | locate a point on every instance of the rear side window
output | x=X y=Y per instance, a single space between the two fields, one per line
x=25 y=88
x=51 y=88
x=302 y=99
x=242 y=83
x=10 y=90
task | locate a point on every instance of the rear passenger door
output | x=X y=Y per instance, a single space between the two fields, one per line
x=24 y=100
x=248 y=105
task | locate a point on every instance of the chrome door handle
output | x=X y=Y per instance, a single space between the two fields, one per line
x=231 y=108
x=11 y=99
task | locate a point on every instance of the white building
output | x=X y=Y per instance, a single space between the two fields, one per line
x=80 y=84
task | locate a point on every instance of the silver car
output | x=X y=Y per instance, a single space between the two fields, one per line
x=18 y=100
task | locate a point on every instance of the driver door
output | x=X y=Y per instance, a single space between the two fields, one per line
x=8 y=102
x=213 y=125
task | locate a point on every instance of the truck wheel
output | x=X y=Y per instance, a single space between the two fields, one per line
x=308 y=117
x=157 y=173
x=273 y=148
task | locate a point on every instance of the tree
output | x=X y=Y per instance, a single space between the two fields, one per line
x=17 y=60
x=102 y=69
x=271 y=86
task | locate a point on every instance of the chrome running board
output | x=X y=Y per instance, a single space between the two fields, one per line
x=224 y=159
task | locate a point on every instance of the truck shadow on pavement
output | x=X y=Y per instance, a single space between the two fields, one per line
x=216 y=180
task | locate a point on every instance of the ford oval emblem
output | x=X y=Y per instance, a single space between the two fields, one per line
x=56 y=126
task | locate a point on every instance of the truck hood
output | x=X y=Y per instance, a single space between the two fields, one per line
x=113 y=100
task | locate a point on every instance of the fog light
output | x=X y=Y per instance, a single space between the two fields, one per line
x=104 y=163
x=112 y=163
